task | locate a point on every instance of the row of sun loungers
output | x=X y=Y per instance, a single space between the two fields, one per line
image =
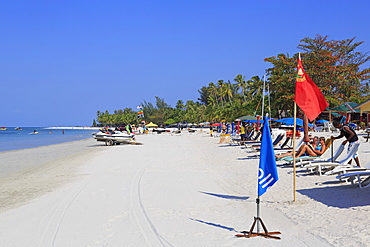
x=358 y=176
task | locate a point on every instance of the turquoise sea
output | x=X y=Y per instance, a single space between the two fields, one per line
x=12 y=139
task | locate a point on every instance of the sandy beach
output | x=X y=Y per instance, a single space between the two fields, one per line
x=175 y=190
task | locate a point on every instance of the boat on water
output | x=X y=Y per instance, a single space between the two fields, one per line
x=3 y=128
x=35 y=132
x=17 y=128
x=112 y=137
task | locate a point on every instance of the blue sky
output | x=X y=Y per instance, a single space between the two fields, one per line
x=61 y=61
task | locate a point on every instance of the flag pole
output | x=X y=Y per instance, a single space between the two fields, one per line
x=294 y=148
x=267 y=176
x=263 y=95
x=258 y=213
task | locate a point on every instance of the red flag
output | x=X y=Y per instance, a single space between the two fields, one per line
x=307 y=95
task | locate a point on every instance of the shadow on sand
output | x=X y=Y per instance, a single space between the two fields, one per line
x=251 y=157
x=215 y=225
x=226 y=196
x=344 y=196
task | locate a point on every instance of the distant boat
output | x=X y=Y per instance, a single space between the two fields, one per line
x=3 y=128
x=34 y=132
x=17 y=128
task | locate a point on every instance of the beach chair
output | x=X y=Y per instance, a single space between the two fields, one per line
x=256 y=144
x=284 y=150
x=319 y=166
x=360 y=178
x=330 y=127
x=254 y=139
x=290 y=159
x=235 y=140
x=283 y=146
x=347 y=169
x=335 y=156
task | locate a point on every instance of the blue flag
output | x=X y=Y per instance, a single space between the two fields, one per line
x=267 y=174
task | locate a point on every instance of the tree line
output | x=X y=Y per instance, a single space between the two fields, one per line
x=335 y=66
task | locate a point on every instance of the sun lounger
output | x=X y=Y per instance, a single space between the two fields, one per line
x=290 y=159
x=283 y=146
x=335 y=156
x=254 y=145
x=347 y=169
x=235 y=140
x=251 y=140
x=319 y=166
x=284 y=150
x=360 y=178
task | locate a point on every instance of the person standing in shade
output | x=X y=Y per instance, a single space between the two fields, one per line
x=351 y=138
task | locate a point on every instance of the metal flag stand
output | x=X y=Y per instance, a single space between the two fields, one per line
x=257 y=220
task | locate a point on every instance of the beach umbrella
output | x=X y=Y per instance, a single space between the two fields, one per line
x=322 y=121
x=151 y=124
x=255 y=121
x=252 y=121
x=290 y=121
x=216 y=124
x=248 y=117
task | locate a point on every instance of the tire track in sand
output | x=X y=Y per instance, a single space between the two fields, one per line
x=139 y=214
x=52 y=220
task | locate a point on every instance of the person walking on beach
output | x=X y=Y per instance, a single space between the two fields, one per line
x=351 y=137
x=242 y=131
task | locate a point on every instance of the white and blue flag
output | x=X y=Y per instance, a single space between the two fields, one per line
x=267 y=175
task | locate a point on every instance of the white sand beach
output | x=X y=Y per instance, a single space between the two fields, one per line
x=185 y=190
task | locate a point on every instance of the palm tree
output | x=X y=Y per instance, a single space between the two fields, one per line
x=213 y=89
x=241 y=84
x=180 y=104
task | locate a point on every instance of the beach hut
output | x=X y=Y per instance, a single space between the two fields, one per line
x=364 y=107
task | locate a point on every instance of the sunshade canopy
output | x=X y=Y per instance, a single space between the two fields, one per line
x=248 y=117
x=345 y=107
x=290 y=120
x=151 y=124
x=322 y=121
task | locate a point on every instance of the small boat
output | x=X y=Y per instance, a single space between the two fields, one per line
x=111 y=137
x=17 y=128
x=3 y=128
x=34 y=132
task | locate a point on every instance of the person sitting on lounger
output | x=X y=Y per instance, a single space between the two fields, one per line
x=307 y=150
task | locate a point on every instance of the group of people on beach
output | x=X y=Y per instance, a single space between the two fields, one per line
x=317 y=146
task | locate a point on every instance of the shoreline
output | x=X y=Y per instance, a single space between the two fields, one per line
x=46 y=145
x=73 y=128
x=34 y=172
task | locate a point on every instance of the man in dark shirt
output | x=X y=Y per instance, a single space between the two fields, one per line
x=351 y=137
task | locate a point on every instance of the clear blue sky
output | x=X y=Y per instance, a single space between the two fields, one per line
x=61 y=61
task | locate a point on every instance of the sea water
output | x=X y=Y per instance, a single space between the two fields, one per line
x=12 y=139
